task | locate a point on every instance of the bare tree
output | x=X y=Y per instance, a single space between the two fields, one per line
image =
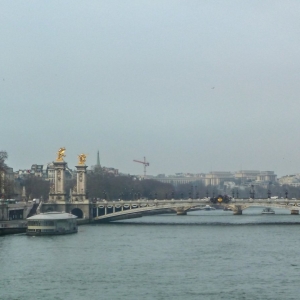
x=111 y=187
x=36 y=187
x=3 y=157
x=3 y=169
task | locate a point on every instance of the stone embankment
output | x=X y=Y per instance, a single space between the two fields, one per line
x=12 y=227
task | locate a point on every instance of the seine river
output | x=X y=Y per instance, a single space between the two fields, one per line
x=204 y=255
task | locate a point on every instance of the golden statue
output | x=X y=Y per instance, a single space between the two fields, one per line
x=61 y=154
x=82 y=159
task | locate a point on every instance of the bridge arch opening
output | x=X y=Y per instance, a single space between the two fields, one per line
x=77 y=212
x=110 y=209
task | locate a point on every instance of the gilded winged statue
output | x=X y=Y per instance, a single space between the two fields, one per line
x=61 y=154
x=82 y=159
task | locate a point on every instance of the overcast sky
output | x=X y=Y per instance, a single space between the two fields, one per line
x=194 y=86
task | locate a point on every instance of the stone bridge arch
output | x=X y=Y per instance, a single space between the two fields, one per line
x=77 y=212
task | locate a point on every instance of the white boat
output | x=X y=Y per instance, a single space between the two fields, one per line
x=226 y=208
x=268 y=211
x=208 y=207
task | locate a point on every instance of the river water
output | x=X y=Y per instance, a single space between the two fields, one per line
x=204 y=255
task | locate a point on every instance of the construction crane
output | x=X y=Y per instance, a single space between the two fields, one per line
x=145 y=163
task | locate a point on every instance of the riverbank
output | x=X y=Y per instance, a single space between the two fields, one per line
x=13 y=227
x=20 y=226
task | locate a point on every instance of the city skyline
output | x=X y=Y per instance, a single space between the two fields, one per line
x=238 y=173
x=91 y=164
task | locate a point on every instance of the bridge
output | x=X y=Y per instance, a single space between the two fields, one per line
x=86 y=210
x=106 y=211
x=111 y=211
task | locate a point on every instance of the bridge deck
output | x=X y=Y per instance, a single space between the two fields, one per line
x=139 y=207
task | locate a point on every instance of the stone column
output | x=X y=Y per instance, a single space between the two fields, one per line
x=80 y=194
x=23 y=194
x=57 y=192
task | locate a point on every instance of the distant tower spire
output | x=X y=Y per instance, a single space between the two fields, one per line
x=98 y=159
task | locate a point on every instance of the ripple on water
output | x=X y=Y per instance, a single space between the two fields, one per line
x=232 y=259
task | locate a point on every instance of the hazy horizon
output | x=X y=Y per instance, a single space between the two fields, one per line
x=194 y=86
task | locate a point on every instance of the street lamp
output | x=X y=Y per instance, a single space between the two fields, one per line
x=252 y=193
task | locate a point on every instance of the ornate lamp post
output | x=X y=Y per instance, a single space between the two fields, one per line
x=252 y=192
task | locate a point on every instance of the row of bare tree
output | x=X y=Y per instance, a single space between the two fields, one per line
x=6 y=185
x=110 y=187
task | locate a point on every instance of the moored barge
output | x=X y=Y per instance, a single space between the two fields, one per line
x=51 y=223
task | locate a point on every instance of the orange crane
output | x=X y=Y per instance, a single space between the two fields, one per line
x=145 y=163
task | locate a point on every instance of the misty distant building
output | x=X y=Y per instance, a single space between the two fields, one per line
x=218 y=177
x=111 y=171
x=246 y=175
x=266 y=177
x=44 y=171
x=180 y=178
x=292 y=180
x=105 y=170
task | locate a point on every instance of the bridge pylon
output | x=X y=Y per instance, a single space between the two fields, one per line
x=181 y=211
x=237 y=210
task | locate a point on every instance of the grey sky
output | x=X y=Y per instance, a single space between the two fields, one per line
x=194 y=86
